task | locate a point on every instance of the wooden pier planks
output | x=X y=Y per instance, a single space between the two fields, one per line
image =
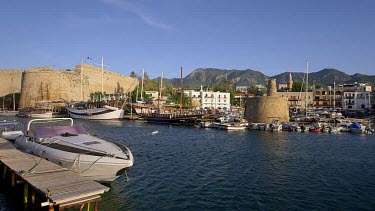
x=59 y=185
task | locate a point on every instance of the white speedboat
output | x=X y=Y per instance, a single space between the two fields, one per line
x=88 y=111
x=10 y=130
x=73 y=148
x=231 y=126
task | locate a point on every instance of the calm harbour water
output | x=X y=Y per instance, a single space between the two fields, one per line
x=189 y=168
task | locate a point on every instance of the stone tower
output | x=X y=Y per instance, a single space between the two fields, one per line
x=266 y=109
x=271 y=89
x=290 y=82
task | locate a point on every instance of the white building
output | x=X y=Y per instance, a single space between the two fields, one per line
x=210 y=99
x=243 y=89
x=153 y=94
x=356 y=96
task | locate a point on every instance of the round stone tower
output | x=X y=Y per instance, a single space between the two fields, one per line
x=271 y=89
x=266 y=109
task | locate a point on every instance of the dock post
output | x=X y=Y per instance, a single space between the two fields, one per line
x=88 y=206
x=96 y=206
x=33 y=196
x=25 y=193
x=4 y=171
x=50 y=207
x=13 y=179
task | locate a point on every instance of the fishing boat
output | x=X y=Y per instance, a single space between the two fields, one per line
x=97 y=111
x=71 y=147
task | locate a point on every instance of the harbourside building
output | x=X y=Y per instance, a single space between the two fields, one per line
x=210 y=99
x=298 y=100
x=355 y=96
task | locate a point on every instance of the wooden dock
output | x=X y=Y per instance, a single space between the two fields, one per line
x=60 y=187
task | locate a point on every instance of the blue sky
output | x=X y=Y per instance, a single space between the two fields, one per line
x=271 y=36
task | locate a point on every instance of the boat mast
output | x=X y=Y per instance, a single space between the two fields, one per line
x=14 y=98
x=82 y=80
x=102 y=77
x=181 y=93
x=307 y=84
x=161 y=84
x=143 y=75
x=4 y=104
x=334 y=95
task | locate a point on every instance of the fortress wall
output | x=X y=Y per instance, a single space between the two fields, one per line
x=112 y=82
x=10 y=81
x=48 y=84
x=266 y=109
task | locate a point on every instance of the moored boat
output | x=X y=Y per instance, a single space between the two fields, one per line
x=231 y=126
x=97 y=111
x=10 y=130
x=73 y=148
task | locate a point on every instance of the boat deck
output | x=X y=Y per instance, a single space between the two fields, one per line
x=61 y=187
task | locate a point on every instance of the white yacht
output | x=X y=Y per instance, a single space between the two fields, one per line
x=94 y=111
x=73 y=148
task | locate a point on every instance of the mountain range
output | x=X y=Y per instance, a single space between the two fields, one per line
x=248 y=77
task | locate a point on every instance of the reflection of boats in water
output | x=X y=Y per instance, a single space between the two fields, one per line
x=73 y=148
x=171 y=118
x=94 y=110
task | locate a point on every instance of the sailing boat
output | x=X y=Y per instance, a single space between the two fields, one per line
x=170 y=118
x=94 y=110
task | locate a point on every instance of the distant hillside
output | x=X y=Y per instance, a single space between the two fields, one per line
x=325 y=76
x=208 y=76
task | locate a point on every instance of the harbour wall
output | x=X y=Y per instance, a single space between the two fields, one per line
x=10 y=81
x=48 y=84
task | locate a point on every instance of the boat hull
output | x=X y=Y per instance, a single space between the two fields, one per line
x=96 y=114
x=230 y=127
x=99 y=168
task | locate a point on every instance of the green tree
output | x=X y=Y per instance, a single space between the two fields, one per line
x=298 y=86
x=186 y=100
x=133 y=75
x=318 y=86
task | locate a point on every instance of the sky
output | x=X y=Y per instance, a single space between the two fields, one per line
x=270 y=36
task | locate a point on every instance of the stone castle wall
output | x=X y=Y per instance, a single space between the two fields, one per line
x=10 y=81
x=266 y=109
x=47 y=84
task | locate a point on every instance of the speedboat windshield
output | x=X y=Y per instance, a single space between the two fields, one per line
x=44 y=132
